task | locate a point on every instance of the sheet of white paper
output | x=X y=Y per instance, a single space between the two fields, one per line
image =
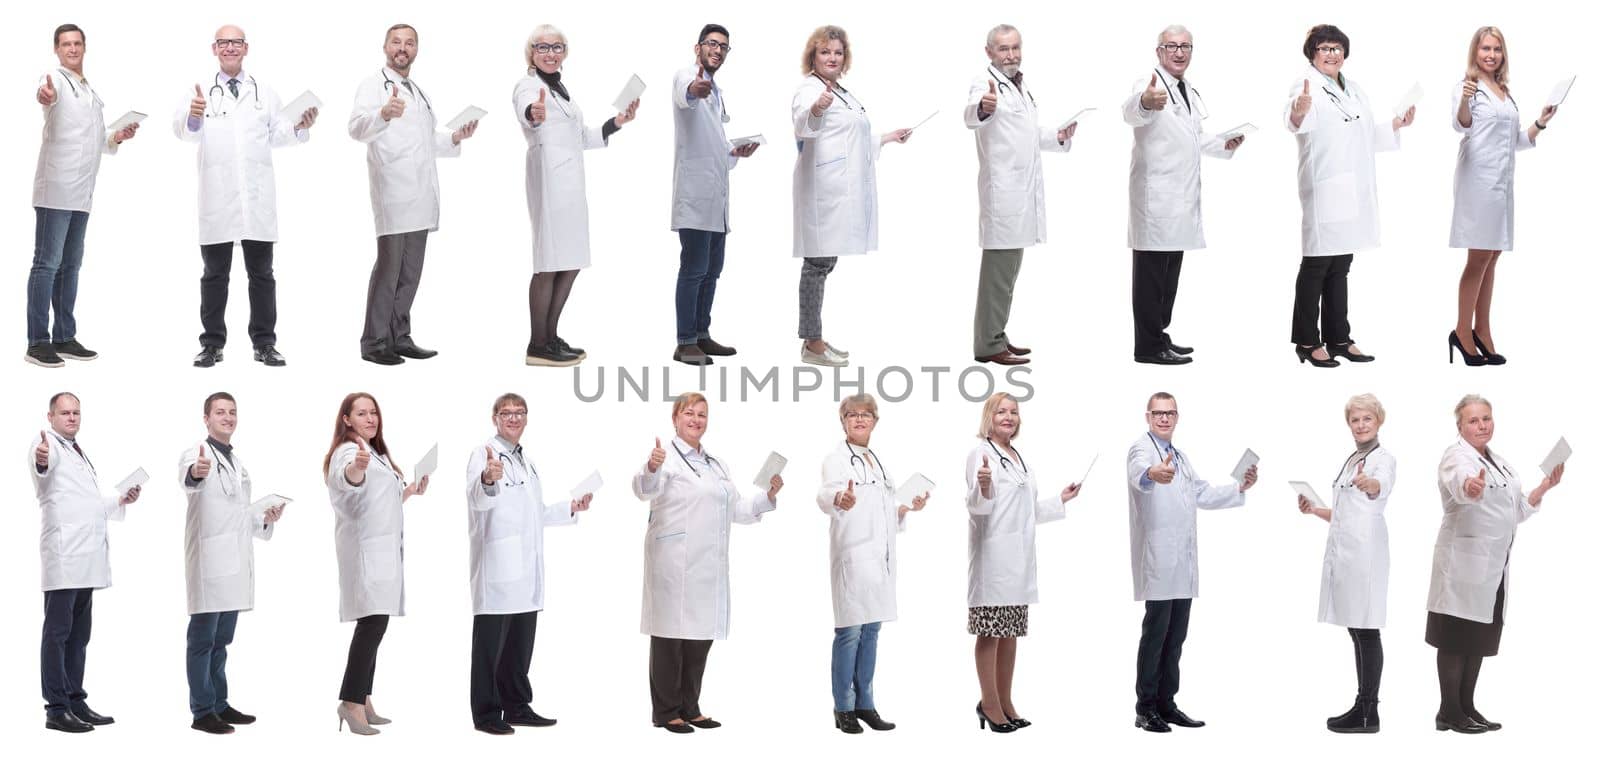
x=1559 y=94
x=298 y=107
x=1074 y=119
x=468 y=115
x=912 y=488
x=1310 y=493
x=773 y=467
x=925 y=120
x=1249 y=459
x=1085 y=477
x=589 y=485
x=1238 y=131
x=127 y=119
x=429 y=463
x=630 y=93
x=269 y=500
x=1558 y=456
x=754 y=139
x=1411 y=98
x=139 y=477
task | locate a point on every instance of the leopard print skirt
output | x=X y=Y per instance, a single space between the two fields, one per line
x=998 y=621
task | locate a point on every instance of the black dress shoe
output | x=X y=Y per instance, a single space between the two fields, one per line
x=1494 y=359
x=713 y=348
x=846 y=722
x=1464 y=725
x=870 y=718
x=211 y=723
x=676 y=727
x=66 y=723
x=1182 y=350
x=1019 y=722
x=412 y=350
x=1479 y=718
x=1342 y=350
x=691 y=355
x=1166 y=358
x=1305 y=354
x=383 y=357
x=210 y=355
x=1175 y=716
x=83 y=712
x=269 y=355
x=528 y=719
x=493 y=728
x=994 y=727
x=1151 y=722
x=1018 y=350
x=705 y=723
x=546 y=355
x=564 y=347
x=233 y=716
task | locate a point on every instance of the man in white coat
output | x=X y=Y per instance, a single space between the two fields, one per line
x=75 y=135
x=1164 y=190
x=218 y=560
x=1163 y=493
x=1004 y=118
x=236 y=123
x=75 y=560
x=395 y=119
x=701 y=159
x=506 y=517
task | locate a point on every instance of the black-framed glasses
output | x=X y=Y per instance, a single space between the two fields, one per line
x=1330 y=50
x=1164 y=414
x=523 y=414
x=546 y=48
x=715 y=45
x=860 y=415
x=231 y=42
x=1173 y=47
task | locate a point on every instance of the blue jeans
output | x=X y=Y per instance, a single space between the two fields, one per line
x=699 y=266
x=855 y=656
x=53 y=280
x=207 y=657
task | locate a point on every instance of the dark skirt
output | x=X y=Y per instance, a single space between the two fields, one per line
x=998 y=621
x=1455 y=635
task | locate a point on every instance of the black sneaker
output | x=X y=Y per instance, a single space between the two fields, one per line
x=74 y=350
x=43 y=355
x=562 y=347
x=549 y=355
x=211 y=723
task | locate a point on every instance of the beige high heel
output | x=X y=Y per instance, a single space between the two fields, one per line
x=354 y=716
x=372 y=716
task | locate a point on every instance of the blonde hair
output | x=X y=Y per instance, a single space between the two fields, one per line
x=986 y=425
x=1468 y=400
x=1502 y=75
x=687 y=400
x=860 y=400
x=541 y=31
x=1364 y=402
x=820 y=37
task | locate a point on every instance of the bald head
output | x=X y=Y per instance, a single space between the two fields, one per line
x=230 y=48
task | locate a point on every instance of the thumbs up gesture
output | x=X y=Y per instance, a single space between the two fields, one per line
x=1154 y=97
x=197 y=104
x=1474 y=485
x=493 y=468
x=536 y=112
x=363 y=458
x=846 y=499
x=986 y=479
x=41 y=452
x=1162 y=472
x=823 y=101
x=700 y=88
x=1302 y=102
x=1469 y=89
x=201 y=466
x=1364 y=483
x=987 y=103
x=395 y=107
x=47 y=91
x=658 y=455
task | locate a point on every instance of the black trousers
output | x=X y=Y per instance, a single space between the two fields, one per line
x=1369 y=662
x=676 y=669
x=1324 y=281
x=1155 y=289
x=63 y=647
x=502 y=652
x=218 y=260
x=1166 y=625
x=362 y=665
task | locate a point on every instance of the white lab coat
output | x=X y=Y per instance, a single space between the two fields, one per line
x=1473 y=552
x=1011 y=211
x=1163 y=535
x=1002 y=561
x=861 y=540
x=835 y=175
x=1164 y=175
x=219 y=565
x=701 y=157
x=1338 y=175
x=1486 y=167
x=686 y=543
x=1355 y=566
x=73 y=549
x=238 y=194
x=368 y=536
x=558 y=203
x=73 y=139
x=401 y=169
x=505 y=529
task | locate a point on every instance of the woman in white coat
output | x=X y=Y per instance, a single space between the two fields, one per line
x=1491 y=134
x=1355 y=566
x=835 y=180
x=1333 y=122
x=1483 y=504
x=858 y=495
x=558 y=204
x=693 y=503
x=1003 y=508
x=367 y=490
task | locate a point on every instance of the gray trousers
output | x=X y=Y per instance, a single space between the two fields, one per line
x=813 y=278
x=395 y=276
x=997 y=278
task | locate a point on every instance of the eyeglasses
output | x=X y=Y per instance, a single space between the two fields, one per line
x=1165 y=414
x=853 y=415
x=509 y=415
x=713 y=45
x=1173 y=47
x=1330 y=50
x=544 y=48
x=230 y=43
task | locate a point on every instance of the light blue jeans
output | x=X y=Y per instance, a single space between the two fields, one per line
x=855 y=656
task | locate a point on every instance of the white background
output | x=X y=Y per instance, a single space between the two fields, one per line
x=1257 y=665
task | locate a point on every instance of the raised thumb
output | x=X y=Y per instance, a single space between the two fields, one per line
x=42 y=438
x=541 y=94
x=658 y=442
x=850 y=487
x=1307 y=90
x=197 y=91
x=991 y=87
x=360 y=446
x=1168 y=460
x=1483 y=474
x=202 y=452
x=1152 y=81
x=395 y=93
x=985 y=462
x=488 y=455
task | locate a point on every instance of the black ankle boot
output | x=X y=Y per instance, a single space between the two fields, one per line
x=1362 y=718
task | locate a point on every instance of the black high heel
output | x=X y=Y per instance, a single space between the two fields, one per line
x=984 y=721
x=1305 y=355
x=1019 y=722
x=1342 y=350
x=1494 y=359
x=1470 y=359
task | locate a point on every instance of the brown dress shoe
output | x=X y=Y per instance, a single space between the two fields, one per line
x=1004 y=358
x=1020 y=351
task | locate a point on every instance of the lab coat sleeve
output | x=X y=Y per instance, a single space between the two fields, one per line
x=1310 y=121
x=1224 y=496
x=50 y=463
x=806 y=126
x=1381 y=468
x=262 y=531
x=185 y=461
x=366 y=124
x=1455 y=106
x=280 y=127
x=1454 y=469
x=1048 y=141
x=115 y=511
x=680 y=89
x=559 y=514
x=593 y=138
x=1523 y=140
x=1049 y=509
x=835 y=476
x=1138 y=463
x=1213 y=146
x=445 y=146
x=1133 y=111
x=342 y=456
x=479 y=497
x=975 y=93
x=180 y=123
x=524 y=95
x=109 y=145
x=748 y=510
x=976 y=503
x=648 y=484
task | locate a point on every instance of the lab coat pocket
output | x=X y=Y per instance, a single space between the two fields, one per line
x=219 y=556
x=502 y=559
x=1472 y=560
x=1336 y=198
x=378 y=558
x=668 y=565
x=77 y=538
x=1009 y=193
x=1163 y=203
x=1002 y=562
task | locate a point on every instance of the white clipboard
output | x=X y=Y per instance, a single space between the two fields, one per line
x=1558 y=456
x=1247 y=460
x=1408 y=101
x=589 y=485
x=133 y=117
x=1562 y=88
x=468 y=115
x=1075 y=118
x=1304 y=490
x=774 y=467
x=754 y=139
x=1238 y=131
x=429 y=463
x=630 y=92
x=913 y=488
x=137 y=478
x=298 y=107
x=270 y=500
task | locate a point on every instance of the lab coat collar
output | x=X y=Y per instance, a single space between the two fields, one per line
x=1339 y=87
x=398 y=78
x=1487 y=451
x=78 y=79
x=1001 y=75
x=689 y=450
x=507 y=446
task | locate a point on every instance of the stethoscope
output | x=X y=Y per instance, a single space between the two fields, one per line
x=859 y=465
x=72 y=445
x=1351 y=464
x=67 y=76
x=554 y=95
x=216 y=89
x=1338 y=102
x=843 y=95
x=1499 y=478
x=237 y=475
x=1005 y=463
x=1189 y=102
x=1177 y=457
x=1005 y=84
x=521 y=464
x=389 y=85
x=721 y=472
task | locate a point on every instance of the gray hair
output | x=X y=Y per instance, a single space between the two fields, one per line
x=1174 y=30
x=1468 y=400
x=861 y=401
x=1365 y=402
x=997 y=31
x=541 y=30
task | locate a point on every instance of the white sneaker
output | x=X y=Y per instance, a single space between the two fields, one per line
x=826 y=358
x=836 y=351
